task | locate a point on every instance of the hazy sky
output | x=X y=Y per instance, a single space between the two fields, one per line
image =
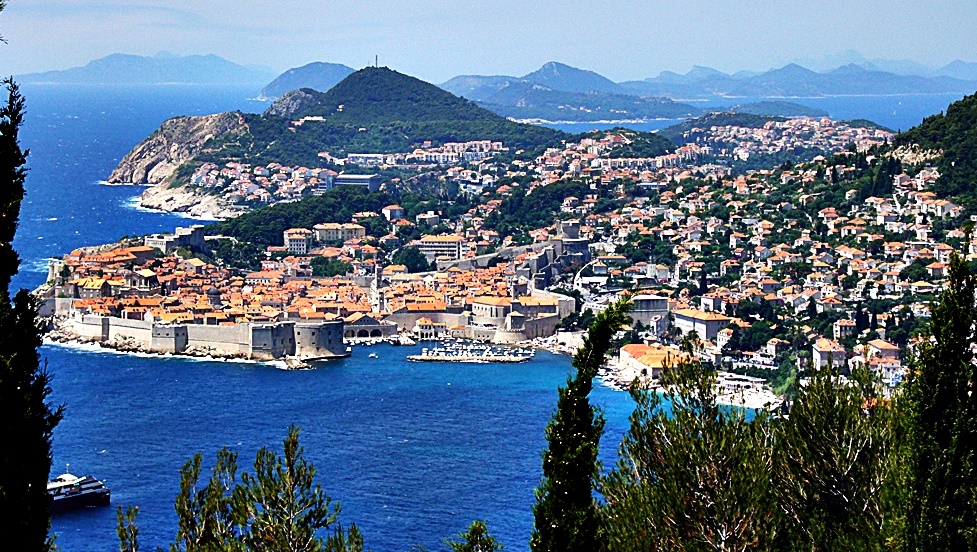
x=437 y=40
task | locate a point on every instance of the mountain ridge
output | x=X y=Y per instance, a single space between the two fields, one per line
x=163 y=68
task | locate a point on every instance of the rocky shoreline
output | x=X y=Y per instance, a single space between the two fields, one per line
x=179 y=199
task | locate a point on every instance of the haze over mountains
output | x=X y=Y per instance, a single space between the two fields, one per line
x=163 y=68
x=559 y=92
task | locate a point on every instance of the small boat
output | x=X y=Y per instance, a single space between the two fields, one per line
x=69 y=492
x=373 y=355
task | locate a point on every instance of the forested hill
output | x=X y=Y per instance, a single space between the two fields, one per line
x=953 y=133
x=374 y=110
x=378 y=110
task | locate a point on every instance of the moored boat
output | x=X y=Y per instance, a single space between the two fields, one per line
x=69 y=492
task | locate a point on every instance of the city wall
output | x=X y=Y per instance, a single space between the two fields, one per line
x=253 y=341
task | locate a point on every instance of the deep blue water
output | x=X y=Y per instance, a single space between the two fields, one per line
x=413 y=452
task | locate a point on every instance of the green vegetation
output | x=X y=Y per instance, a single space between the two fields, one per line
x=325 y=268
x=278 y=508
x=374 y=110
x=475 y=539
x=27 y=421
x=955 y=134
x=636 y=144
x=521 y=211
x=941 y=426
x=413 y=259
x=266 y=226
x=566 y=514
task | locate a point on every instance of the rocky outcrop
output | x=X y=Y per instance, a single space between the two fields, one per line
x=180 y=199
x=177 y=141
x=291 y=103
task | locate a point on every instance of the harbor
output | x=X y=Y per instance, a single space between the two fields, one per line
x=464 y=351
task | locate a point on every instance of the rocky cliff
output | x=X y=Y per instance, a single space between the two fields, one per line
x=177 y=141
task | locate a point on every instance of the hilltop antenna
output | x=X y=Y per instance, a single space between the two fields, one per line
x=376 y=61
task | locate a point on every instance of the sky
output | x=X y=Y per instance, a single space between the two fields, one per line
x=436 y=40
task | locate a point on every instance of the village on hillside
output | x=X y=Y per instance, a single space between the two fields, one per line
x=774 y=270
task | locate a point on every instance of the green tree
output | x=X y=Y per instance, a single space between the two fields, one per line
x=566 y=516
x=830 y=464
x=475 y=539
x=278 y=509
x=26 y=419
x=283 y=507
x=208 y=519
x=413 y=259
x=127 y=529
x=695 y=477
x=941 y=409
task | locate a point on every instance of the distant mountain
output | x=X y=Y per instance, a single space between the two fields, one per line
x=564 y=78
x=317 y=76
x=558 y=92
x=163 y=68
x=373 y=110
x=959 y=70
x=477 y=87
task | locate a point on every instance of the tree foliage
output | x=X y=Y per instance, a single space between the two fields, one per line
x=941 y=408
x=413 y=259
x=689 y=478
x=26 y=419
x=475 y=539
x=278 y=508
x=566 y=515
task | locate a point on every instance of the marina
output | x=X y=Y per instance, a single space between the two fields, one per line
x=461 y=351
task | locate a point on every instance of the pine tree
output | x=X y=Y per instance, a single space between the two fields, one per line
x=26 y=419
x=282 y=506
x=691 y=477
x=566 y=517
x=941 y=409
x=475 y=539
x=830 y=464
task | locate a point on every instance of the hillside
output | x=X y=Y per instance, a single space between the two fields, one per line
x=317 y=76
x=163 y=68
x=685 y=131
x=953 y=133
x=523 y=100
x=374 y=110
x=636 y=144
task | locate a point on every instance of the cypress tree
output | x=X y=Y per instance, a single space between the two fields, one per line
x=566 y=516
x=26 y=420
x=941 y=409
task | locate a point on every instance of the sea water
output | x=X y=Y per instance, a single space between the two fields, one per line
x=413 y=451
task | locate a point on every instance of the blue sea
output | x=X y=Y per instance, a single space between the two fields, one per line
x=413 y=452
